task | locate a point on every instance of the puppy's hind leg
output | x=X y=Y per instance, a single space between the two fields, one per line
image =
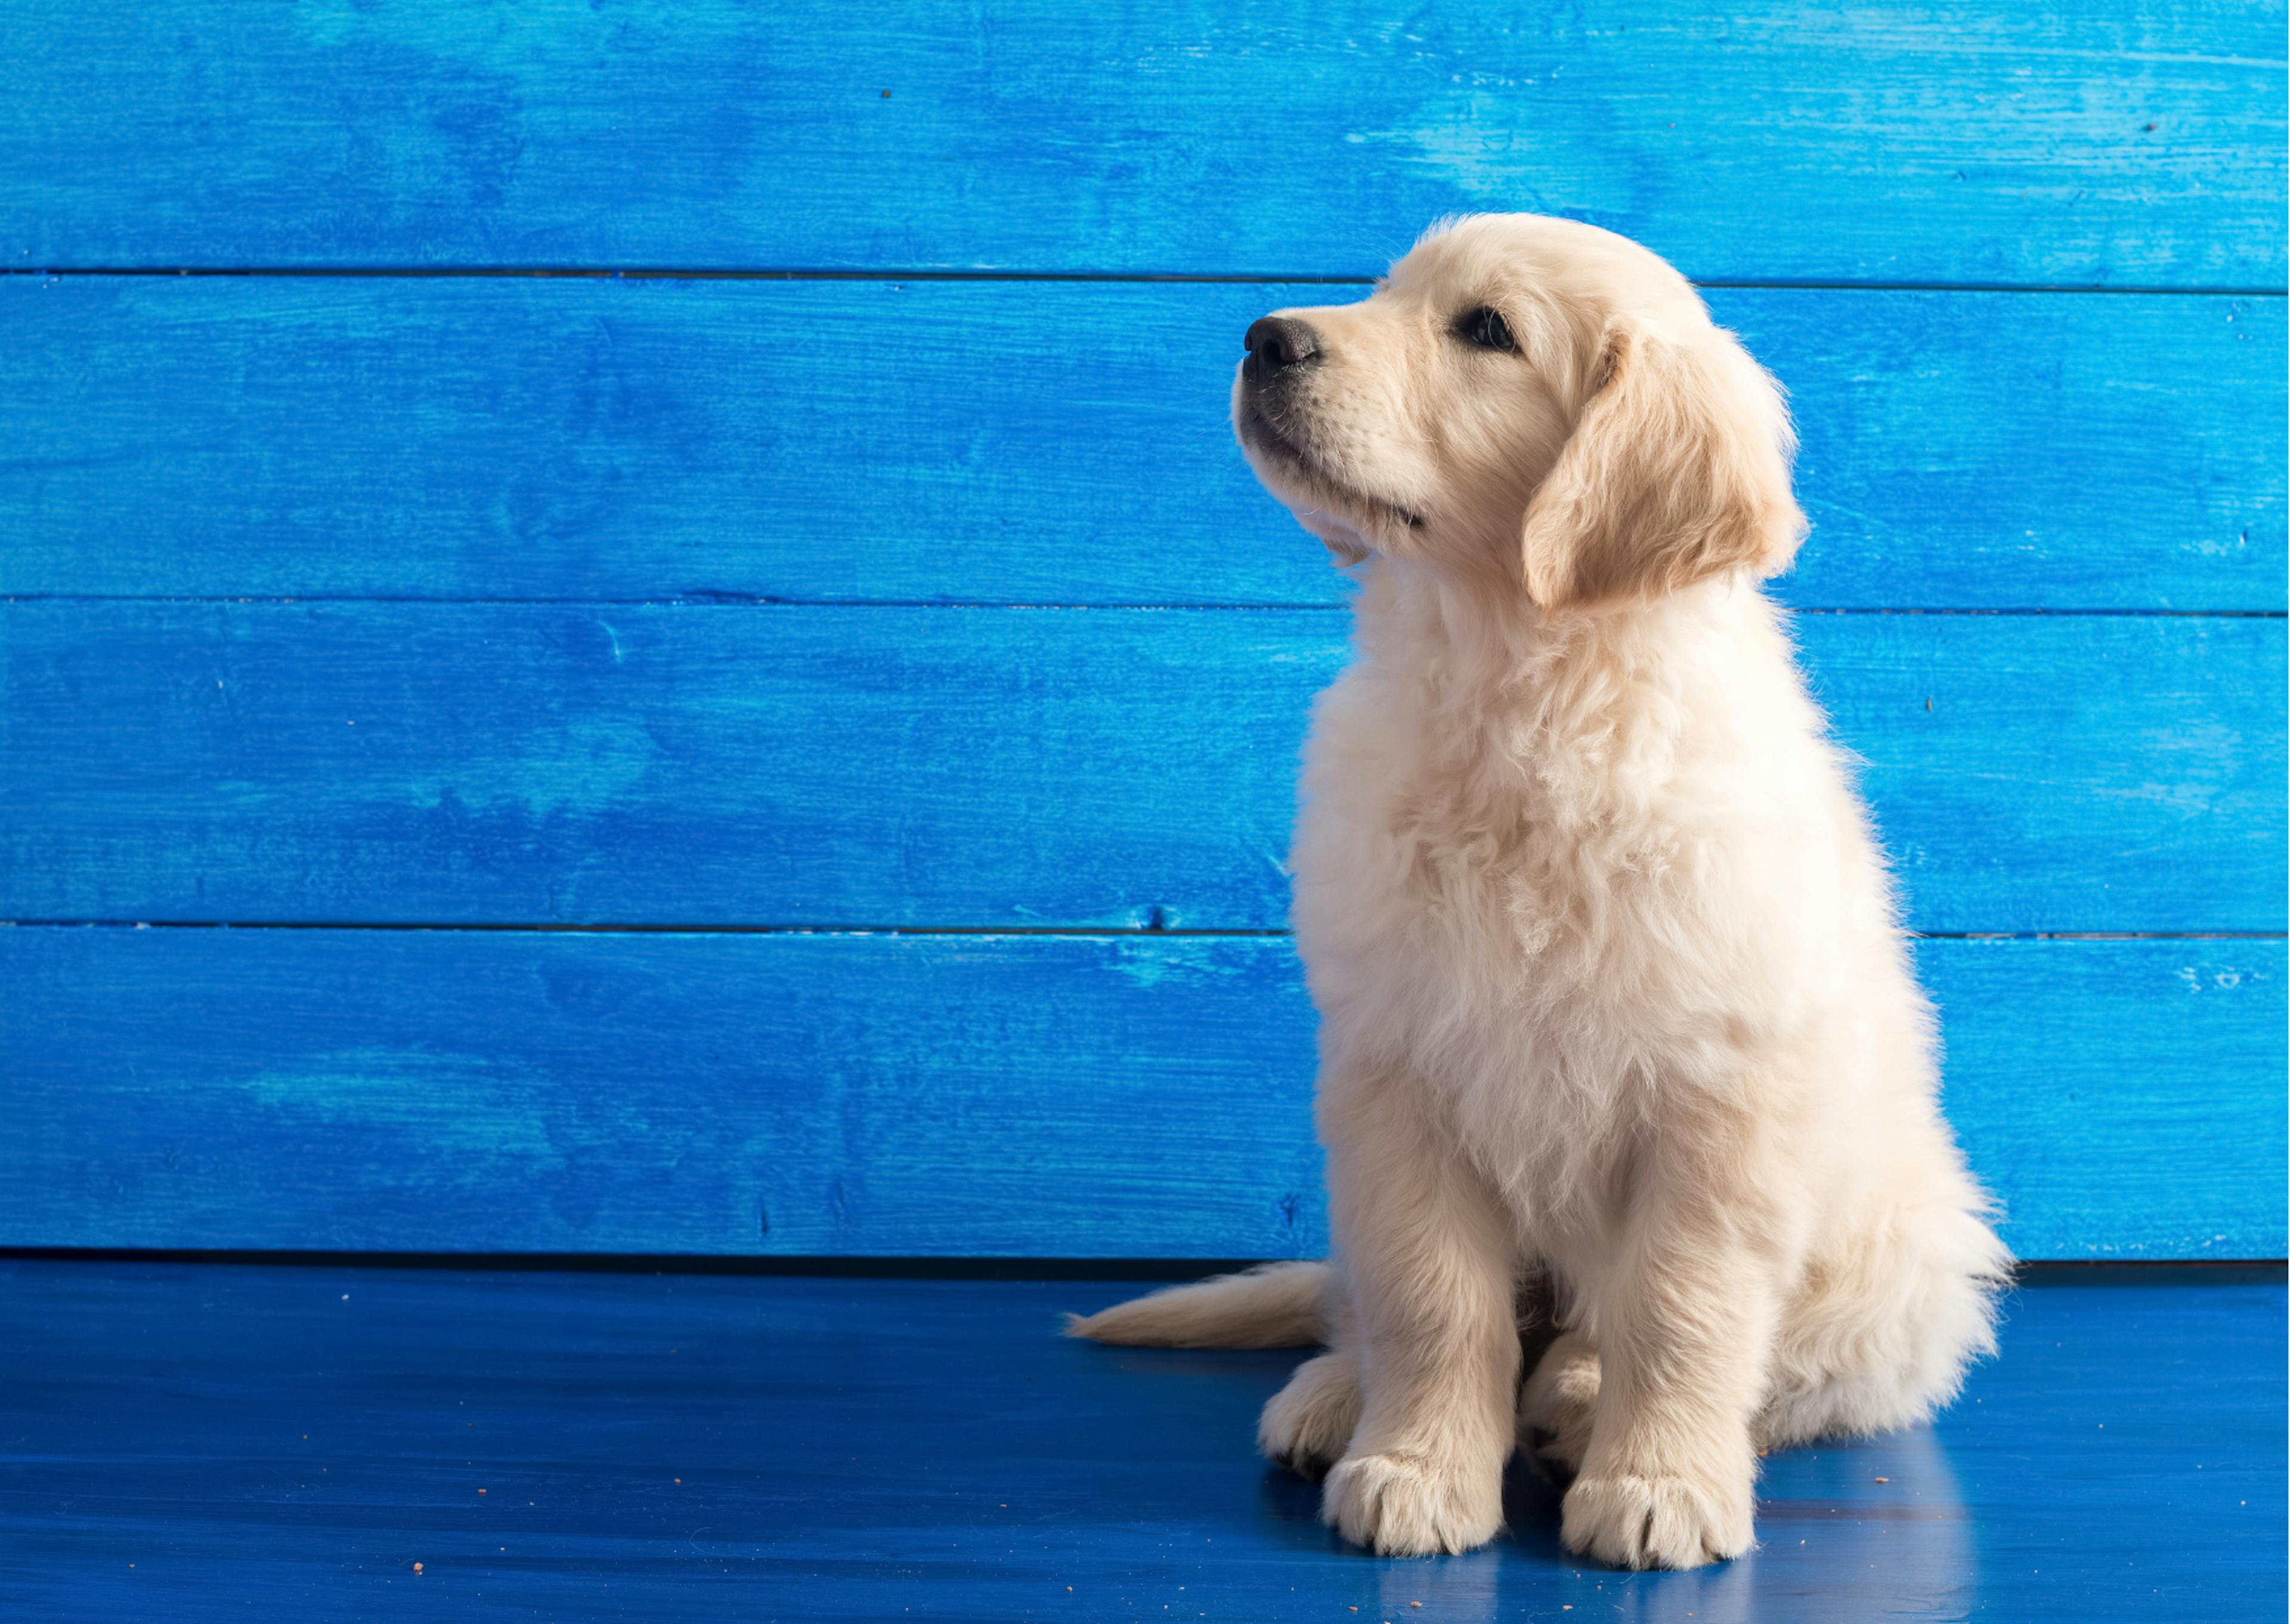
x=1879 y=1329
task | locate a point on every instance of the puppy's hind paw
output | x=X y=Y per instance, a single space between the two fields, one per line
x=1306 y=1424
x=1557 y=1407
x=1407 y=1505
x=1654 y=1522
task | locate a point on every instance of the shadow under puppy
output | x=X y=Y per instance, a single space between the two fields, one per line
x=1616 y=1009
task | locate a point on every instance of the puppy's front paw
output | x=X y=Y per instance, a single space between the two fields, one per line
x=1409 y=1506
x=1308 y=1423
x=1656 y=1522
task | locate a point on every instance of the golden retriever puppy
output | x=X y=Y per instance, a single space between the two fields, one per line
x=1617 y=1019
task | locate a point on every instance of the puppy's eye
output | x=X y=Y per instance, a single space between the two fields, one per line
x=1486 y=329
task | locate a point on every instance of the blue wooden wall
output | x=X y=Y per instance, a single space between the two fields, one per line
x=633 y=628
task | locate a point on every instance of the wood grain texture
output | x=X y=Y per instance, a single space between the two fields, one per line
x=2139 y=142
x=715 y=764
x=855 y=1094
x=206 y=1443
x=1028 y=442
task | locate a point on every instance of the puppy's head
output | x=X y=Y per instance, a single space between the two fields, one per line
x=1525 y=401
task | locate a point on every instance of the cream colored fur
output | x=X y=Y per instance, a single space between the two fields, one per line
x=1612 y=988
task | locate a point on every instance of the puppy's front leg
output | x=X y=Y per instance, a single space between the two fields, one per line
x=1684 y=1329
x=1430 y=1262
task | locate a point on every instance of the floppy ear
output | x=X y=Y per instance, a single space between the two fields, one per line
x=1677 y=468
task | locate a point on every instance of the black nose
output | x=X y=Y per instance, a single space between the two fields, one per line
x=1275 y=343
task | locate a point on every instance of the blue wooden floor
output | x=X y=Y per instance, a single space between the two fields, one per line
x=205 y=1441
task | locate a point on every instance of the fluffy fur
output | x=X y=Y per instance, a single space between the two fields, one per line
x=1617 y=1020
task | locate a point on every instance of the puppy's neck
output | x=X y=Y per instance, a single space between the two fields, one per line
x=1487 y=643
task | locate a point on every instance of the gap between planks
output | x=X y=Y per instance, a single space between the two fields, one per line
x=741 y=600
x=1240 y=278
x=2027 y=1271
x=1078 y=931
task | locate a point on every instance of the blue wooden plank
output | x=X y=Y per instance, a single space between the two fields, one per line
x=1028 y=442
x=1141 y=1095
x=722 y=765
x=797 y=1094
x=2140 y=142
x=2059 y=773
x=203 y=1442
x=2092 y=1080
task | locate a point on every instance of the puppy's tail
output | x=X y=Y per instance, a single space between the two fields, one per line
x=1278 y=1305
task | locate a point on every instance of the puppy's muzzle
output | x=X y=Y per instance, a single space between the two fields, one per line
x=1277 y=346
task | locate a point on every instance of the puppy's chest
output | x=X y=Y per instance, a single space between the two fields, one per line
x=1477 y=855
